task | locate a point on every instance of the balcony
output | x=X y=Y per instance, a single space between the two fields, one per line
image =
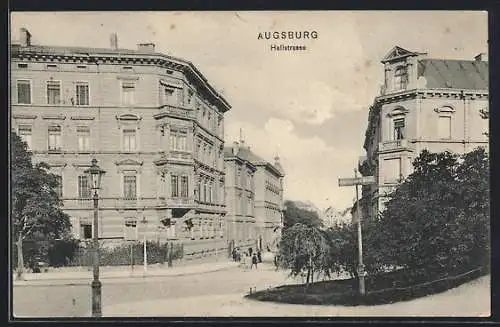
x=397 y=145
x=176 y=202
x=173 y=111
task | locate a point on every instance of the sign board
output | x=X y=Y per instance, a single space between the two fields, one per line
x=365 y=180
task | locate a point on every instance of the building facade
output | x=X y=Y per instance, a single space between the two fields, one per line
x=152 y=121
x=254 y=198
x=432 y=104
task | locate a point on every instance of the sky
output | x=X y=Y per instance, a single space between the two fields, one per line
x=310 y=107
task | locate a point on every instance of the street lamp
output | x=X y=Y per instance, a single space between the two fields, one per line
x=95 y=173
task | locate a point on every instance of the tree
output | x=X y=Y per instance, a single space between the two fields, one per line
x=35 y=206
x=293 y=215
x=304 y=249
x=438 y=217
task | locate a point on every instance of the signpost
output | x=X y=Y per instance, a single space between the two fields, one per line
x=356 y=181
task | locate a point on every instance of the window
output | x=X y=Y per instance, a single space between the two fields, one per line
x=24 y=132
x=444 y=127
x=178 y=140
x=130 y=230
x=128 y=91
x=210 y=192
x=175 y=186
x=129 y=187
x=82 y=94
x=85 y=231
x=54 y=138
x=199 y=191
x=53 y=92
x=168 y=96
x=83 y=134
x=190 y=96
x=205 y=189
x=59 y=186
x=83 y=187
x=184 y=187
x=129 y=140
x=400 y=78
x=22 y=66
x=399 y=129
x=24 y=92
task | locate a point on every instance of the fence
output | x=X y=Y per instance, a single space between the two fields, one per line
x=130 y=253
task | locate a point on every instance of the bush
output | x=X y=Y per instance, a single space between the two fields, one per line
x=121 y=255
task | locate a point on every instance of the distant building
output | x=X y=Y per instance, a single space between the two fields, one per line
x=254 y=197
x=331 y=216
x=425 y=103
x=152 y=121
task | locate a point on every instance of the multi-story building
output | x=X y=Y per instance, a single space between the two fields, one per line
x=254 y=198
x=152 y=121
x=425 y=103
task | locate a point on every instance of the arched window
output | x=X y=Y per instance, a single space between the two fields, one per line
x=400 y=78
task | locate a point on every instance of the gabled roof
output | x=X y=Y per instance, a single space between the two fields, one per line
x=397 y=53
x=454 y=74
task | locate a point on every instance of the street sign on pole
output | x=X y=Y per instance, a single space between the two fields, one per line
x=356 y=181
x=364 y=180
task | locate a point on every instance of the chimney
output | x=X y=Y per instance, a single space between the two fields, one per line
x=25 y=37
x=113 y=39
x=146 y=47
x=481 y=57
x=235 y=148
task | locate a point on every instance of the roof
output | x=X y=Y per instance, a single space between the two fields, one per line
x=244 y=153
x=86 y=51
x=454 y=74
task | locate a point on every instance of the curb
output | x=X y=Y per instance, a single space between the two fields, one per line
x=82 y=281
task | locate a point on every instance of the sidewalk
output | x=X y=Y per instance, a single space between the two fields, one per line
x=469 y=300
x=83 y=275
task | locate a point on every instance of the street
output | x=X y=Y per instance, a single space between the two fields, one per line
x=74 y=300
x=221 y=293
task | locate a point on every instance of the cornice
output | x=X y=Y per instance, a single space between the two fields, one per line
x=156 y=59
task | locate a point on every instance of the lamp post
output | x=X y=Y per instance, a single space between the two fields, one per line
x=144 y=221
x=95 y=173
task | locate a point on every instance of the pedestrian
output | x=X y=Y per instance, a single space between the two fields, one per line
x=234 y=254
x=250 y=250
x=254 y=261
x=259 y=256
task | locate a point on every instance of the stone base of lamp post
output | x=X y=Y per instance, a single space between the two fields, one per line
x=96 y=299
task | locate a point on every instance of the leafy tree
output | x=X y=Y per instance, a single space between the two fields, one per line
x=439 y=216
x=304 y=249
x=36 y=212
x=293 y=215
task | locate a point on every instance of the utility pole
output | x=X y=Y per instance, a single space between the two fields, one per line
x=361 y=266
x=356 y=181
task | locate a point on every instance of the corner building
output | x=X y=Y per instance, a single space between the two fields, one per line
x=152 y=121
x=424 y=103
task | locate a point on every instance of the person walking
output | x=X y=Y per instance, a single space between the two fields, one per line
x=254 y=261
x=259 y=256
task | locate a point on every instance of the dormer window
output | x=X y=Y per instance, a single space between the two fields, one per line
x=400 y=78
